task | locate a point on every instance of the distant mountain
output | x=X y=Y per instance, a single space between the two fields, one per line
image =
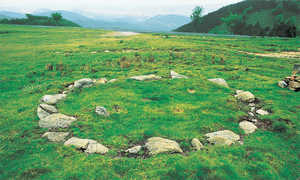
x=265 y=13
x=9 y=14
x=125 y=23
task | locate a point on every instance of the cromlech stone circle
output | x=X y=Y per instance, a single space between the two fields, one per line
x=51 y=119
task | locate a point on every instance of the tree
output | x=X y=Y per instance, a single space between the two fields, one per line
x=56 y=16
x=197 y=13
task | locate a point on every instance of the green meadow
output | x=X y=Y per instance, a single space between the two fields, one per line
x=139 y=110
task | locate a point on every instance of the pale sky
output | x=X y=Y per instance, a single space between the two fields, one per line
x=116 y=7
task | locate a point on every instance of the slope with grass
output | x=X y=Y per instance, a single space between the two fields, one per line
x=140 y=110
x=264 y=12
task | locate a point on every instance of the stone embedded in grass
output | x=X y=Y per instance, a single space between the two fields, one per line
x=175 y=75
x=134 y=150
x=87 y=145
x=293 y=85
x=145 y=77
x=56 y=120
x=262 y=112
x=224 y=137
x=56 y=136
x=157 y=145
x=100 y=81
x=245 y=96
x=219 y=81
x=83 y=83
x=102 y=111
x=196 y=144
x=282 y=84
x=247 y=126
x=53 y=99
x=112 y=81
x=45 y=110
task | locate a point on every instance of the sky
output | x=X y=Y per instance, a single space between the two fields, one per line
x=116 y=7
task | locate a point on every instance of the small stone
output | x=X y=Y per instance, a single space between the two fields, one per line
x=106 y=51
x=254 y=120
x=175 y=75
x=219 y=81
x=252 y=109
x=245 y=96
x=102 y=111
x=83 y=83
x=293 y=85
x=282 y=84
x=53 y=99
x=251 y=114
x=146 y=77
x=134 y=150
x=157 y=145
x=112 y=81
x=94 y=52
x=224 y=137
x=252 y=104
x=247 y=126
x=196 y=144
x=56 y=136
x=262 y=112
x=100 y=81
x=56 y=120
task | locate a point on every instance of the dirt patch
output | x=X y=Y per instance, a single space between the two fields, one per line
x=285 y=54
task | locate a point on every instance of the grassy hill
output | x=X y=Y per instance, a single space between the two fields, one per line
x=177 y=109
x=264 y=12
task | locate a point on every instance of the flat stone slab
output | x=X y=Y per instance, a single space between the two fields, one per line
x=56 y=136
x=146 y=77
x=245 y=96
x=157 y=145
x=219 y=81
x=56 y=120
x=248 y=127
x=224 y=137
x=84 y=83
x=53 y=99
x=175 y=75
x=87 y=145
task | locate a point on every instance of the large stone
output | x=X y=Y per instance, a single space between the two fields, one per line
x=196 y=144
x=245 y=96
x=56 y=120
x=262 y=112
x=157 y=145
x=293 y=85
x=219 y=81
x=53 y=99
x=83 y=83
x=96 y=148
x=134 y=150
x=56 y=136
x=87 y=145
x=41 y=113
x=175 y=75
x=102 y=111
x=145 y=77
x=224 y=137
x=247 y=126
x=45 y=110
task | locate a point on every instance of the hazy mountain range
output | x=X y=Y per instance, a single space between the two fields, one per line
x=129 y=23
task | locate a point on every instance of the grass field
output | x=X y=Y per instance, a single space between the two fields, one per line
x=161 y=108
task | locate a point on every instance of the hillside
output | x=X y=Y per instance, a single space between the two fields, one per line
x=168 y=119
x=264 y=12
x=39 y=20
